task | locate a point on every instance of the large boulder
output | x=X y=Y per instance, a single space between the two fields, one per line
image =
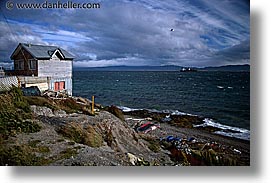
x=41 y=111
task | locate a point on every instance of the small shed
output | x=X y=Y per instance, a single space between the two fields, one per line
x=48 y=67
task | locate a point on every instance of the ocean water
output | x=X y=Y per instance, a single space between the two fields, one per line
x=220 y=97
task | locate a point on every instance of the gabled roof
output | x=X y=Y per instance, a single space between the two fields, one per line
x=42 y=51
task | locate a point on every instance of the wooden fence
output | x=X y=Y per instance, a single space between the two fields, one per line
x=7 y=82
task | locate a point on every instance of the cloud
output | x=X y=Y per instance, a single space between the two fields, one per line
x=137 y=32
x=129 y=61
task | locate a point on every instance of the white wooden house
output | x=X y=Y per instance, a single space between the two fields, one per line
x=48 y=67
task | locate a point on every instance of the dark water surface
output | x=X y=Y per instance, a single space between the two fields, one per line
x=221 y=96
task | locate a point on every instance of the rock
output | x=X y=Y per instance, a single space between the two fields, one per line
x=41 y=111
x=132 y=158
x=60 y=113
x=106 y=140
x=119 y=136
x=185 y=121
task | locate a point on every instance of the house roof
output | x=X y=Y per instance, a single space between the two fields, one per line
x=42 y=51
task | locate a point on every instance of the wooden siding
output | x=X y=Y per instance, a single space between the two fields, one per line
x=25 y=57
x=23 y=54
x=41 y=82
x=68 y=84
x=32 y=80
x=54 y=68
x=41 y=86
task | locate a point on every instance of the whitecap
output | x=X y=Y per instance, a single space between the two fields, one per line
x=235 y=132
x=127 y=109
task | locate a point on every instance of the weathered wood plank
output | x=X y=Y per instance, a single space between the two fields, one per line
x=54 y=68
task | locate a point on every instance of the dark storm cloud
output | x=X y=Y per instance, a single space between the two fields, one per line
x=137 y=32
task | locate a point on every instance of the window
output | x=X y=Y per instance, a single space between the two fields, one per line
x=59 y=85
x=57 y=55
x=32 y=64
x=19 y=64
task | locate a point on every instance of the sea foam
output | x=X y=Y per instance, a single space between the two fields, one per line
x=225 y=130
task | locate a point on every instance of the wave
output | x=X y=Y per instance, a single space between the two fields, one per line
x=167 y=111
x=225 y=130
x=127 y=109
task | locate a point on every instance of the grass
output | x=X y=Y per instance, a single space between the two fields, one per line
x=16 y=117
x=15 y=114
x=43 y=149
x=22 y=155
x=212 y=158
x=92 y=137
x=36 y=148
x=87 y=136
x=69 y=105
x=34 y=143
x=72 y=131
x=116 y=111
x=153 y=145
x=71 y=143
x=41 y=101
x=68 y=153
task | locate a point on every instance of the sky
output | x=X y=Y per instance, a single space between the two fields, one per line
x=134 y=32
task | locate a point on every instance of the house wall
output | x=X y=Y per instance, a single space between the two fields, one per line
x=68 y=84
x=25 y=56
x=54 y=68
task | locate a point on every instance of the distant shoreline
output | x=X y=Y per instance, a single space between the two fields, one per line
x=229 y=68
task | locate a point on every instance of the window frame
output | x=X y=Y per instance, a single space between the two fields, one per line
x=57 y=85
x=32 y=64
x=19 y=63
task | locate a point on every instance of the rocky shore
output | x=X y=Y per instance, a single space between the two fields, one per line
x=63 y=131
x=202 y=139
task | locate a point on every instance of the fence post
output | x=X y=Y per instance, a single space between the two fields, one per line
x=93 y=105
x=19 y=82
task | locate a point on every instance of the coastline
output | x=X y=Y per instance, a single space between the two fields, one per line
x=182 y=119
x=64 y=131
x=230 y=145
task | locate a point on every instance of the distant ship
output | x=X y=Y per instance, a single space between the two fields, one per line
x=188 y=69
